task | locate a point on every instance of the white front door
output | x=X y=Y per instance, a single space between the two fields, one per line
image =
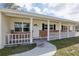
x=35 y=31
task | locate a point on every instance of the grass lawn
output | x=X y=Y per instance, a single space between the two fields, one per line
x=16 y=49
x=67 y=47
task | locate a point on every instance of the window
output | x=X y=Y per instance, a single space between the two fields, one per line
x=77 y=28
x=26 y=26
x=19 y=26
x=44 y=26
x=63 y=28
x=52 y=27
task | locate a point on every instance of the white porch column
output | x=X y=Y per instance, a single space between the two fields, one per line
x=67 y=31
x=48 y=29
x=31 y=26
x=1 y=32
x=59 y=30
x=74 y=28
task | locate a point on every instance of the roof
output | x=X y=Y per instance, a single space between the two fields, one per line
x=36 y=15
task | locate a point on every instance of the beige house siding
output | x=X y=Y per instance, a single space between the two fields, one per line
x=13 y=20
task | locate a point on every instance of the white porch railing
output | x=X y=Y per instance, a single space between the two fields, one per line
x=17 y=39
x=55 y=35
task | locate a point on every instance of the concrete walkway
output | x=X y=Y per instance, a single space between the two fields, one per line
x=43 y=49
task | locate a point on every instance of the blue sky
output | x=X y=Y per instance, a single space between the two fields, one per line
x=1 y=5
x=61 y=10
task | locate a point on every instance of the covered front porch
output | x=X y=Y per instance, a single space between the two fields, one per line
x=23 y=29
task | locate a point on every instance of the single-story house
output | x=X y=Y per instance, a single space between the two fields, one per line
x=18 y=27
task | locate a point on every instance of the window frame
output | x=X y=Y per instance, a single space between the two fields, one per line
x=16 y=26
x=51 y=25
x=63 y=28
x=22 y=26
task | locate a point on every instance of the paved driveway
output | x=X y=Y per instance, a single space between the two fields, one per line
x=43 y=49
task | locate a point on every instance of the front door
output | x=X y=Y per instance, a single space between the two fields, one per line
x=35 y=31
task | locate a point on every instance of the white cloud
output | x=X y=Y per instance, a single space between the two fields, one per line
x=37 y=10
x=28 y=6
x=68 y=11
x=20 y=4
x=52 y=4
x=65 y=10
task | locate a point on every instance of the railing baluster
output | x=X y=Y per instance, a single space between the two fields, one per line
x=27 y=38
x=21 y=38
x=12 y=38
x=8 y=39
x=24 y=38
x=17 y=38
